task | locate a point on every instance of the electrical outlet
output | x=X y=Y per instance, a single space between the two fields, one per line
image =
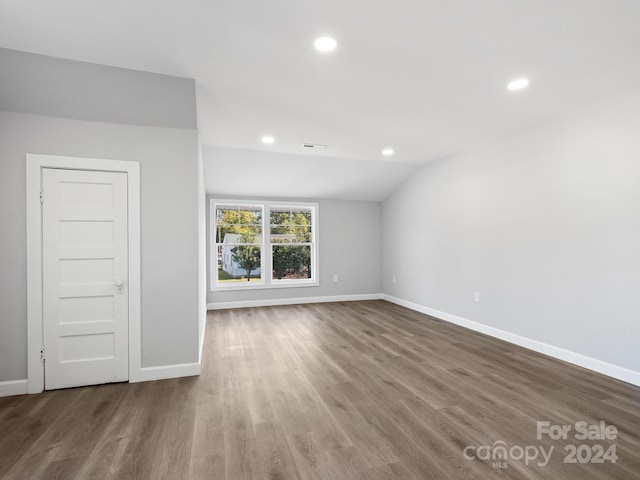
x=476 y=296
x=335 y=278
x=394 y=279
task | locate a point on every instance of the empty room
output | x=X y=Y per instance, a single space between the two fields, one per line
x=320 y=240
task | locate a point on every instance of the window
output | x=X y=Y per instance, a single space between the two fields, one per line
x=239 y=243
x=290 y=237
x=262 y=245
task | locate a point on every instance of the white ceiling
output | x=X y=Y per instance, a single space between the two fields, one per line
x=426 y=77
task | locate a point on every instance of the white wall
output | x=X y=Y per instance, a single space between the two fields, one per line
x=168 y=158
x=545 y=224
x=349 y=246
x=310 y=174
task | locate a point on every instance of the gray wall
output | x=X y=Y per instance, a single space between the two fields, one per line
x=202 y=251
x=545 y=224
x=44 y=85
x=349 y=246
x=169 y=211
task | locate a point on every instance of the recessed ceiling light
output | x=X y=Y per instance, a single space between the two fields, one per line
x=518 y=84
x=268 y=139
x=387 y=152
x=325 y=44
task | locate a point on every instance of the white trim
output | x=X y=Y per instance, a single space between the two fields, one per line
x=266 y=282
x=169 y=371
x=293 y=301
x=35 y=164
x=599 y=366
x=13 y=387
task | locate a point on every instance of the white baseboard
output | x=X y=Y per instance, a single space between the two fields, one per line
x=293 y=301
x=615 y=371
x=168 y=371
x=19 y=387
x=13 y=387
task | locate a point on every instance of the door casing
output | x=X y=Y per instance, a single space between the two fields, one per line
x=35 y=164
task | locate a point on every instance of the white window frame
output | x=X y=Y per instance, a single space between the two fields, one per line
x=266 y=263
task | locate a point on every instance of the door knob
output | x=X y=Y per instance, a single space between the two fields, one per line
x=119 y=283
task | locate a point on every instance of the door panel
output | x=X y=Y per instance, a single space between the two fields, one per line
x=85 y=265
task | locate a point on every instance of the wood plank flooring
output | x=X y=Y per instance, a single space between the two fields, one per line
x=344 y=391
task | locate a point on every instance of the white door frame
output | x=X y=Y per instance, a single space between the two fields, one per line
x=35 y=164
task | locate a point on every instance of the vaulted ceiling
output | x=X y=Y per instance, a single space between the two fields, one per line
x=424 y=77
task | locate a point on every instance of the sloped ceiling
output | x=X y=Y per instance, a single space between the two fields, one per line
x=426 y=77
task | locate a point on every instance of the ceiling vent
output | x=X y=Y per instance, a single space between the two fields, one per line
x=313 y=145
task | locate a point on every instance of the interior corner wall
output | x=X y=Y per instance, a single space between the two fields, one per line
x=202 y=253
x=349 y=245
x=544 y=224
x=169 y=228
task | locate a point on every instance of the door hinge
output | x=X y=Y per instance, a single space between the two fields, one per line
x=41 y=197
x=42 y=354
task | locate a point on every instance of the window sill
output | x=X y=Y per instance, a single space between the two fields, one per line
x=262 y=286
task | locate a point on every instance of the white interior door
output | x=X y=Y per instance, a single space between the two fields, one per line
x=84 y=268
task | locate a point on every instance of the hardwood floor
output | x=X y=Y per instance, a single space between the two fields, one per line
x=361 y=390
